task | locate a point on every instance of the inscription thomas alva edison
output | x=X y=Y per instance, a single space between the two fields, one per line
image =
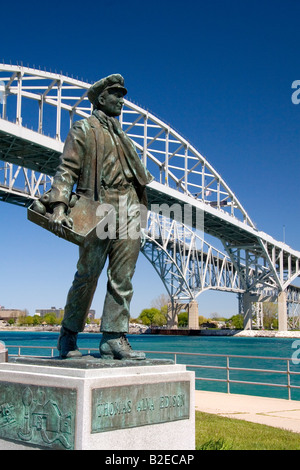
x=144 y=404
x=131 y=406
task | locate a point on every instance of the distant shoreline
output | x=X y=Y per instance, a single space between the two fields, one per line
x=142 y=329
x=133 y=328
x=29 y=328
x=227 y=332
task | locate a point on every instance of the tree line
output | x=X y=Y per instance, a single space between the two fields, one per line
x=156 y=316
x=36 y=320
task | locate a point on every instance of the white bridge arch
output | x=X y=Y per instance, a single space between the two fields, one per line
x=38 y=108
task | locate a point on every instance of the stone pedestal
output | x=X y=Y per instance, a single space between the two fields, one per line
x=54 y=404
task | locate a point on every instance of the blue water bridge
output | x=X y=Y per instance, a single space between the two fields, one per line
x=192 y=210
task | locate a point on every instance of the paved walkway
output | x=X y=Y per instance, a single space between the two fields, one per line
x=275 y=412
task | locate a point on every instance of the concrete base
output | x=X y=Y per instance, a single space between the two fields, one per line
x=140 y=407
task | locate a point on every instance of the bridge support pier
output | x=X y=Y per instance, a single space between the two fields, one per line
x=282 y=311
x=172 y=315
x=193 y=315
x=259 y=313
x=247 y=308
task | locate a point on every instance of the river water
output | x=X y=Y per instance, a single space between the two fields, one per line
x=271 y=354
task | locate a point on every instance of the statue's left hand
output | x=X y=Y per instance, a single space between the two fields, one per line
x=58 y=219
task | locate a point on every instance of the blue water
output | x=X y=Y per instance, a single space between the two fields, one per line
x=266 y=348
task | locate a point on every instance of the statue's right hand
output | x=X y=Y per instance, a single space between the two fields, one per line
x=59 y=218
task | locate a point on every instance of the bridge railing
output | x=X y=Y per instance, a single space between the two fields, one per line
x=280 y=372
x=21 y=182
x=186 y=262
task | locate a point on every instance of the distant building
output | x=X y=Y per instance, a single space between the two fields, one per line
x=6 y=314
x=59 y=312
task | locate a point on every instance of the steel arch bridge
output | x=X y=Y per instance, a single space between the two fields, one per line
x=38 y=108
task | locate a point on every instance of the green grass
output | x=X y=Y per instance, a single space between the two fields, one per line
x=217 y=433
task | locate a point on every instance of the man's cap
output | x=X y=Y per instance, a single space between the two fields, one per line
x=112 y=81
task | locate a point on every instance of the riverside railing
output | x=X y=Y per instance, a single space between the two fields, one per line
x=190 y=361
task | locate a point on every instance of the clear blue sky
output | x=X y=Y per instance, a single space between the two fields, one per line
x=219 y=71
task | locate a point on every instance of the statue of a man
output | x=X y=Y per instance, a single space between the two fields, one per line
x=102 y=161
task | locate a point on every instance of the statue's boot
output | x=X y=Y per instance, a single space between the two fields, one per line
x=117 y=346
x=67 y=344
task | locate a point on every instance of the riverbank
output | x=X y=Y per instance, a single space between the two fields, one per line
x=268 y=334
x=137 y=329
x=227 y=332
x=134 y=328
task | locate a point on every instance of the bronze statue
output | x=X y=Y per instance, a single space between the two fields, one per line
x=102 y=161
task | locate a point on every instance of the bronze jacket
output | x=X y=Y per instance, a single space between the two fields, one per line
x=81 y=163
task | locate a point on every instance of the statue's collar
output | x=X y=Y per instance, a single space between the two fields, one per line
x=105 y=120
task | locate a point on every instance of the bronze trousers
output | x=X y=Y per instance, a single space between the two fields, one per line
x=122 y=252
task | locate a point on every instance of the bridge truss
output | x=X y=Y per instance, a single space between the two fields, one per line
x=38 y=108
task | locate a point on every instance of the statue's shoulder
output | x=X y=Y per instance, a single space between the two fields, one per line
x=85 y=125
